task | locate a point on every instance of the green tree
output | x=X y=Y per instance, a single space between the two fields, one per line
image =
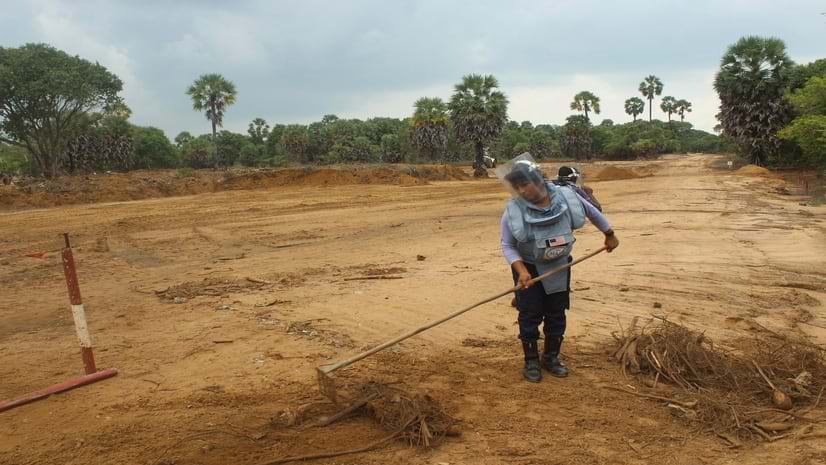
x=801 y=74
x=585 y=101
x=296 y=141
x=683 y=106
x=575 y=140
x=46 y=96
x=753 y=76
x=229 y=145
x=198 y=153
x=258 y=131
x=391 y=149
x=252 y=154
x=649 y=87
x=183 y=138
x=668 y=105
x=212 y=94
x=811 y=99
x=153 y=149
x=13 y=159
x=479 y=112
x=809 y=129
x=430 y=130
x=634 y=106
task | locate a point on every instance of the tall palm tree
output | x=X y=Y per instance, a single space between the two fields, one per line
x=683 y=107
x=479 y=112
x=430 y=131
x=753 y=77
x=213 y=94
x=585 y=101
x=634 y=106
x=649 y=87
x=668 y=106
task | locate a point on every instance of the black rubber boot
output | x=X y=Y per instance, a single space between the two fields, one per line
x=532 y=371
x=550 y=357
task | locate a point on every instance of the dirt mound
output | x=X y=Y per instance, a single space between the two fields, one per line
x=615 y=173
x=138 y=185
x=754 y=170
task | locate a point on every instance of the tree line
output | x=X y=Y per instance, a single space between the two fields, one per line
x=60 y=114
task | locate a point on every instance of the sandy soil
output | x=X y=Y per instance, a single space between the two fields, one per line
x=203 y=380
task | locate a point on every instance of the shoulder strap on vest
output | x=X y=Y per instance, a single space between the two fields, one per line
x=516 y=221
x=575 y=207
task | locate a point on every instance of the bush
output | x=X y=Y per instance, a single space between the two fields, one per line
x=153 y=149
x=198 y=153
x=13 y=159
x=184 y=172
x=252 y=155
x=644 y=147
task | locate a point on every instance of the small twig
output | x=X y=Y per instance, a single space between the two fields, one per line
x=324 y=455
x=364 y=278
x=775 y=410
x=352 y=408
x=200 y=435
x=690 y=404
x=760 y=432
x=736 y=420
x=771 y=385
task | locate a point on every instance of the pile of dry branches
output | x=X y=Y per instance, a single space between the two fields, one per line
x=414 y=418
x=420 y=419
x=761 y=391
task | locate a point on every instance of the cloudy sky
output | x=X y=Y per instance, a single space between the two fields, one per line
x=295 y=61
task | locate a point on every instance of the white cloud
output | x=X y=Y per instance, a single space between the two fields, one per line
x=57 y=25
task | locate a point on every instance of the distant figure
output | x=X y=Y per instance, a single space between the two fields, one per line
x=568 y=176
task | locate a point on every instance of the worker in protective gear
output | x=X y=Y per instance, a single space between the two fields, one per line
x=537 y=235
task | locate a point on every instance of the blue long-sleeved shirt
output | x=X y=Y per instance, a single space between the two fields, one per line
x=509 y=242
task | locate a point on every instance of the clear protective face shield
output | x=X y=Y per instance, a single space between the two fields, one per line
x=522 y=170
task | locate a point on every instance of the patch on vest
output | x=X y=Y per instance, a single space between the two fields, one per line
x=555 y=247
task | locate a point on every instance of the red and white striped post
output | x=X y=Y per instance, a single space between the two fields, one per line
x=78 y=313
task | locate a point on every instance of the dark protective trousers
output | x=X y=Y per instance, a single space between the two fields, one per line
x=536 y=307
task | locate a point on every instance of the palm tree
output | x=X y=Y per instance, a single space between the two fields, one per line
x=649 y=87
x=753 y=77
x=585 y=101
x=479 y=112
x=669 y=106
x=683 y=107
x=634 y=106
x=430 y=129
x=213 y=94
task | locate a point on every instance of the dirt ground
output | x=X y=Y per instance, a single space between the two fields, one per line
x=217 y=307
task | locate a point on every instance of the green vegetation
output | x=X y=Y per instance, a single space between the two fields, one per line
x=649 y=87
x=430 y=127
x=585 y=101
x=48 y=98
x=479 y=113
x=62 y=114
x=634 y=106
x=754 y=75
x=212 y=94
x=808 y=130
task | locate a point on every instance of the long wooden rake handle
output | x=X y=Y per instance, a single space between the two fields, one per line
x=327 y=369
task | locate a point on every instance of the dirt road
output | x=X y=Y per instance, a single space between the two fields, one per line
x=209 y=357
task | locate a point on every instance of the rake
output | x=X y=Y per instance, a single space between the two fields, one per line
x=325 y=373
